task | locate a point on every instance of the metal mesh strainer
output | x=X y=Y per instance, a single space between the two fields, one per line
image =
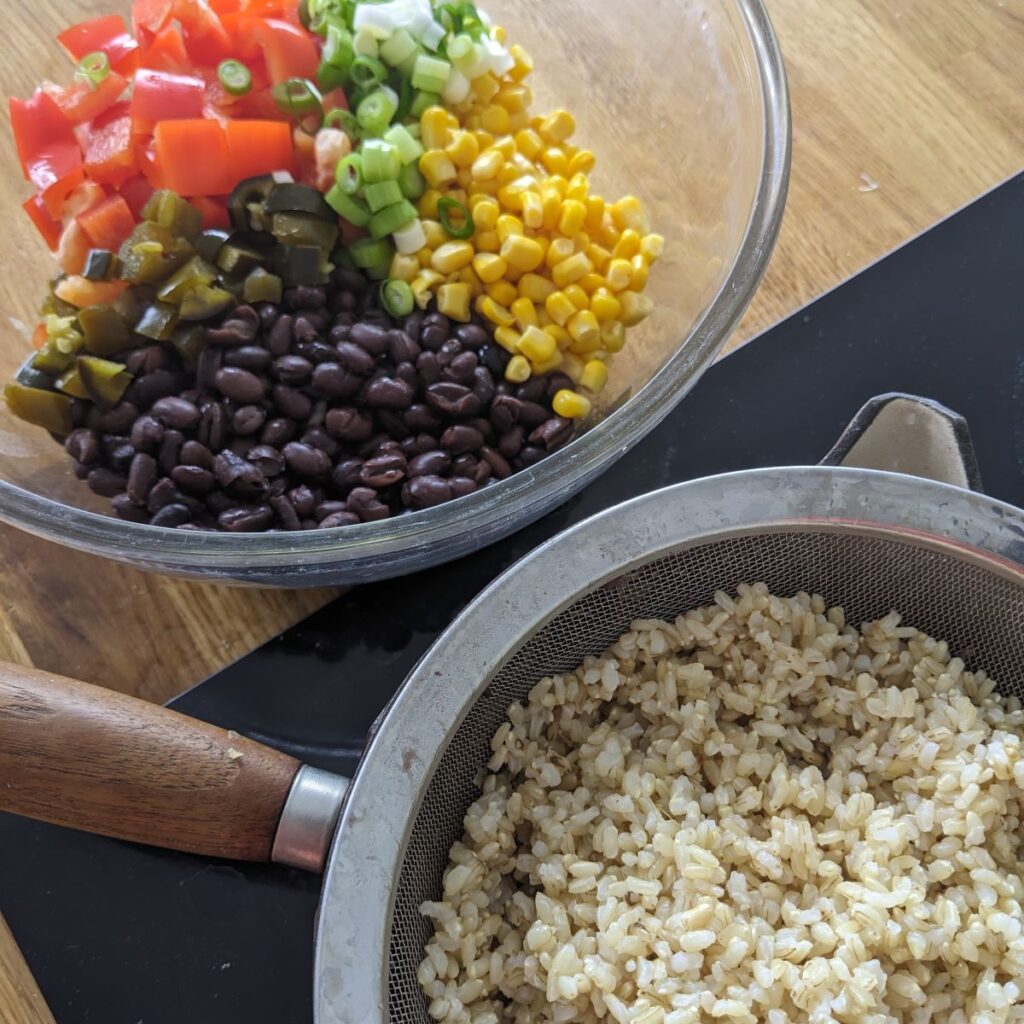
x=942 y=556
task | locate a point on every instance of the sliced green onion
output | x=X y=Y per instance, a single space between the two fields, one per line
x=235 y=77
x=350 y=208
x=395 y=49
x=409 y=149
x=375 y=111
x=406 y=66
x=365 y=43
x=396 y=297
x=344 y=119
x=410 y=239
x=422 y=101
x=411 y=182
x=430 y=73
x=338 y=48
x=329 y=78
x=381 y=194
x=369 y=252
x=405 y=95
x=460 y=48
x=350 y=174
x=368 y=71
x=304 y=16
x=298 y=96
x=380 y=161
x=93 y=68
x=391 y=218
x=379 y=272
x=445 y=207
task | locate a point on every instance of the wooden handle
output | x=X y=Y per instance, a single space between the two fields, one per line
x=91 y=759
x=21 y=1002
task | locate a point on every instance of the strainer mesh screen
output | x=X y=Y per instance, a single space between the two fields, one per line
x=979 y=611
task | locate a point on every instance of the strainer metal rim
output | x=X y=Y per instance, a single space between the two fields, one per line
x=353 y=932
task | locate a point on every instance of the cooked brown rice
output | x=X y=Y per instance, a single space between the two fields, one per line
x=755 y=813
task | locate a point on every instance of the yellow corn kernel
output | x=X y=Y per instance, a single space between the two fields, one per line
x=573 y=215
x=627 y=246
x=495 y=119
x=559 y=250
x=604 y=305
x=618 y=274
x=560 y=307
x=471 y=122
x=610 y=234
x=510 y=172
x=525 y=313
x=486 y=210
x=583 y=162
x=635 y=307
x=487 y=188
x=503 y=292
x=537 y=345
x=572 y=367
x=522 y=253
x=464 y=176
x=488 y=164
x=511 y=196
x=507 y=226
x=513 y=97
x=467 y=275
x=529 y=143
x=557 y=127
x=523 y=63
x=518 y=121
x=595 y=213
x=548 y=365
x=453 y=301
x=463 y=149
x=427 y=204
x=577 y=296
x=591 y=282
x=434 y=130
x=570 y=404
x=424 y=256
x=518 y=370
x=613 y=335
x=506 y=146
x=638 y=276
x=485 y=88
x=535 y=288
x=598 y=255
x=651 y=247
x=423 y=286
x=594 y=376
x=489 y=267
x=571 y=269
x=533 y=210
x=484 y=139
x=404 y=268
x=508 y=338
x=578 y=187
x=452 y=256
x=628 y=212
x=557 y=183
x=554 y=161
x=437 y=167
x=543 y=320
x=552 y=208
x=434 y=233
x=487 y=241
x=497 y=314
x=560 y=334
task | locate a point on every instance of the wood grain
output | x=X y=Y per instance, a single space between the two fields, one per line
x=85 y=757
x=924 y=100
x=21 y=1002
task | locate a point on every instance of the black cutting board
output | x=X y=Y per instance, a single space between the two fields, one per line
x=118 y=934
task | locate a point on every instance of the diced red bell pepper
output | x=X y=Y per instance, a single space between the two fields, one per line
x=47 y=226
x=107 y=35
x=164 y=96
x=108 y=224
x=258 y=147
x=37 y=124
x=288 y=49
x=81 y=101
x=73 y=249
x=222 y=7
x=85 y=197
x=136 y=193
x=110 y=151
x=40 y=335
x=286 y=10
x=82 y=292
x=166 y=51
x=192 y=157
x=214 y=211
x=145 y=155
x=206 y=40
x=150 y=17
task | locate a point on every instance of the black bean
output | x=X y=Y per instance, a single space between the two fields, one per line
x=552 y=433
x=481 y=473
x=376 y=317
x=460 y=439
x=418 y=445
x=339 y=334
x=354 y=358
x=249 y=357
x=292 y=370
x=209 y=362
x=170 y=449
x=334 y=381
x=285 y=511
x=454 y=400
x=499 y=465
x=363 y=502
x=532 y=390
x=80 y=409
x=80 y=471
x=388 y=393
x=241 y=446
x=483 y=384
x=429 y=367
x=238 y=476
x=142 y=475
x=426 y=491
x=484 y=426
x=268 y=314
x=319 y=438
x=317 y=352
x=304 y=296
x=433 y=334
x=193 y=479
x=146 y=434
x=303 y=500
x=120 y=455
x=106 y=482
x=148 y=359
x=338 y=519
x=329 y=508
x=504 y=412
x=195 y=454
x=238 y=384
x=530 y=455
x=342 y=302
x=267 y=459
x=246 y=518
x=450 y=351
x=464 y=465
x=213 y=427
x=556 y=382
x=421 y=417
x=471 y=335
x=348 y=424
x=462 y=370
x=84 y=445
x=117 y=420
x=407 y=372
x=145 y=390
x=306 y=461
x=383 y=470
x=432 y=463
x=125 y=508
x=511 y=442
x=346 y=475
x=247 y=419
x=532 y=414
x=279 y=340
x=176 y=413
x=413 y=324
x=305 y=329
x=294 y=404
x=237 y=330
x=218 y=502
x=350 y=280
x=373 y=339
x=394 y=423
x=403 y=348
x=163 y=493
x=495 y=358
x=173 y=514
x=278 y=432
x=461 y=486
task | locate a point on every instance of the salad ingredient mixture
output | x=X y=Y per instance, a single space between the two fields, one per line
x=346 y=168
x=757 y=812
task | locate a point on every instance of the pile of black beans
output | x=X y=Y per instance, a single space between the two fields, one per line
x=320 y=412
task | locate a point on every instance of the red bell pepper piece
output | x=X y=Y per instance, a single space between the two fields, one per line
x=258 y=147
x=206 y=40
x=166 y=51
x=163 y=96
x=107 y=224
x=107 y=35
x=286 y=10
x=110 y=149
x=150 y=17
x=192 y=157
x=136 y=192
x=289 y=50
x=81 y=102
x=222 y=7
x=49 y=228
x=214 y=211
x=38 y=124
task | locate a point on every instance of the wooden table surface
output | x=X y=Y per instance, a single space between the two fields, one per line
x=903 y=111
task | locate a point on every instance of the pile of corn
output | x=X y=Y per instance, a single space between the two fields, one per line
x=556 y=268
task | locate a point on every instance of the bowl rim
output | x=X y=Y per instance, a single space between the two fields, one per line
x=535 y=489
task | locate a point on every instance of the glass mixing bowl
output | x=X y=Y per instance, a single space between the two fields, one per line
x=685 y=104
